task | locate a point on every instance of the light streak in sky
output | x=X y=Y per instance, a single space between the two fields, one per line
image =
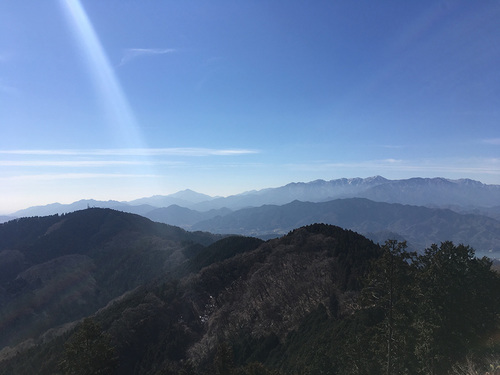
x=120 y=116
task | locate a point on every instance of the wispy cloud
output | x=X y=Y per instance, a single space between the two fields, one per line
x=66 y=163
x=74 y=176
x=464 y=167
x=10 y=90
x=176 y=151
x=133 y=53
x=112 y=158
x=7 y=88
x=393 y=147
x=492 y=141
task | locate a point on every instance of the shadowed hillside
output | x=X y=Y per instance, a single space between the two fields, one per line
x=57 y=269
x=319 y=300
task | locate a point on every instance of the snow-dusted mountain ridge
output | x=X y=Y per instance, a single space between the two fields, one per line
x=435 y=192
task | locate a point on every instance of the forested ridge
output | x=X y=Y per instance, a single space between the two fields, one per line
x=320 y=300
x=58 y=269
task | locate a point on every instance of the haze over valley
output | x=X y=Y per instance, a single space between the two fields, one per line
x=421 y=211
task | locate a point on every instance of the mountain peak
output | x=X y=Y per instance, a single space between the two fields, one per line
x=191 y=196
x=376 y=179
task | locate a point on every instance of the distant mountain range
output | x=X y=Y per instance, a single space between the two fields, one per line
x=463 y=194
x=420 y=226
x=420 y=210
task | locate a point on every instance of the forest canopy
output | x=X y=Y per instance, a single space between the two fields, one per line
x=320 y=300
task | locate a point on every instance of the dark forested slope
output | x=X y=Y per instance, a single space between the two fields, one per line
x=246 y=292
x=320 y=300
x=57 y=269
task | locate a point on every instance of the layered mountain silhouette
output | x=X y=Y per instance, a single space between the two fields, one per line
x=420 y=210
x=464 y=195
x=420 y=226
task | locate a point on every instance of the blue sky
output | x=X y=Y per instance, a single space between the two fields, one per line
x=125 y=99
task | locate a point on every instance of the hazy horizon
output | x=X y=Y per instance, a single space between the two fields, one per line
x=123 y=100
x=195 y=191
